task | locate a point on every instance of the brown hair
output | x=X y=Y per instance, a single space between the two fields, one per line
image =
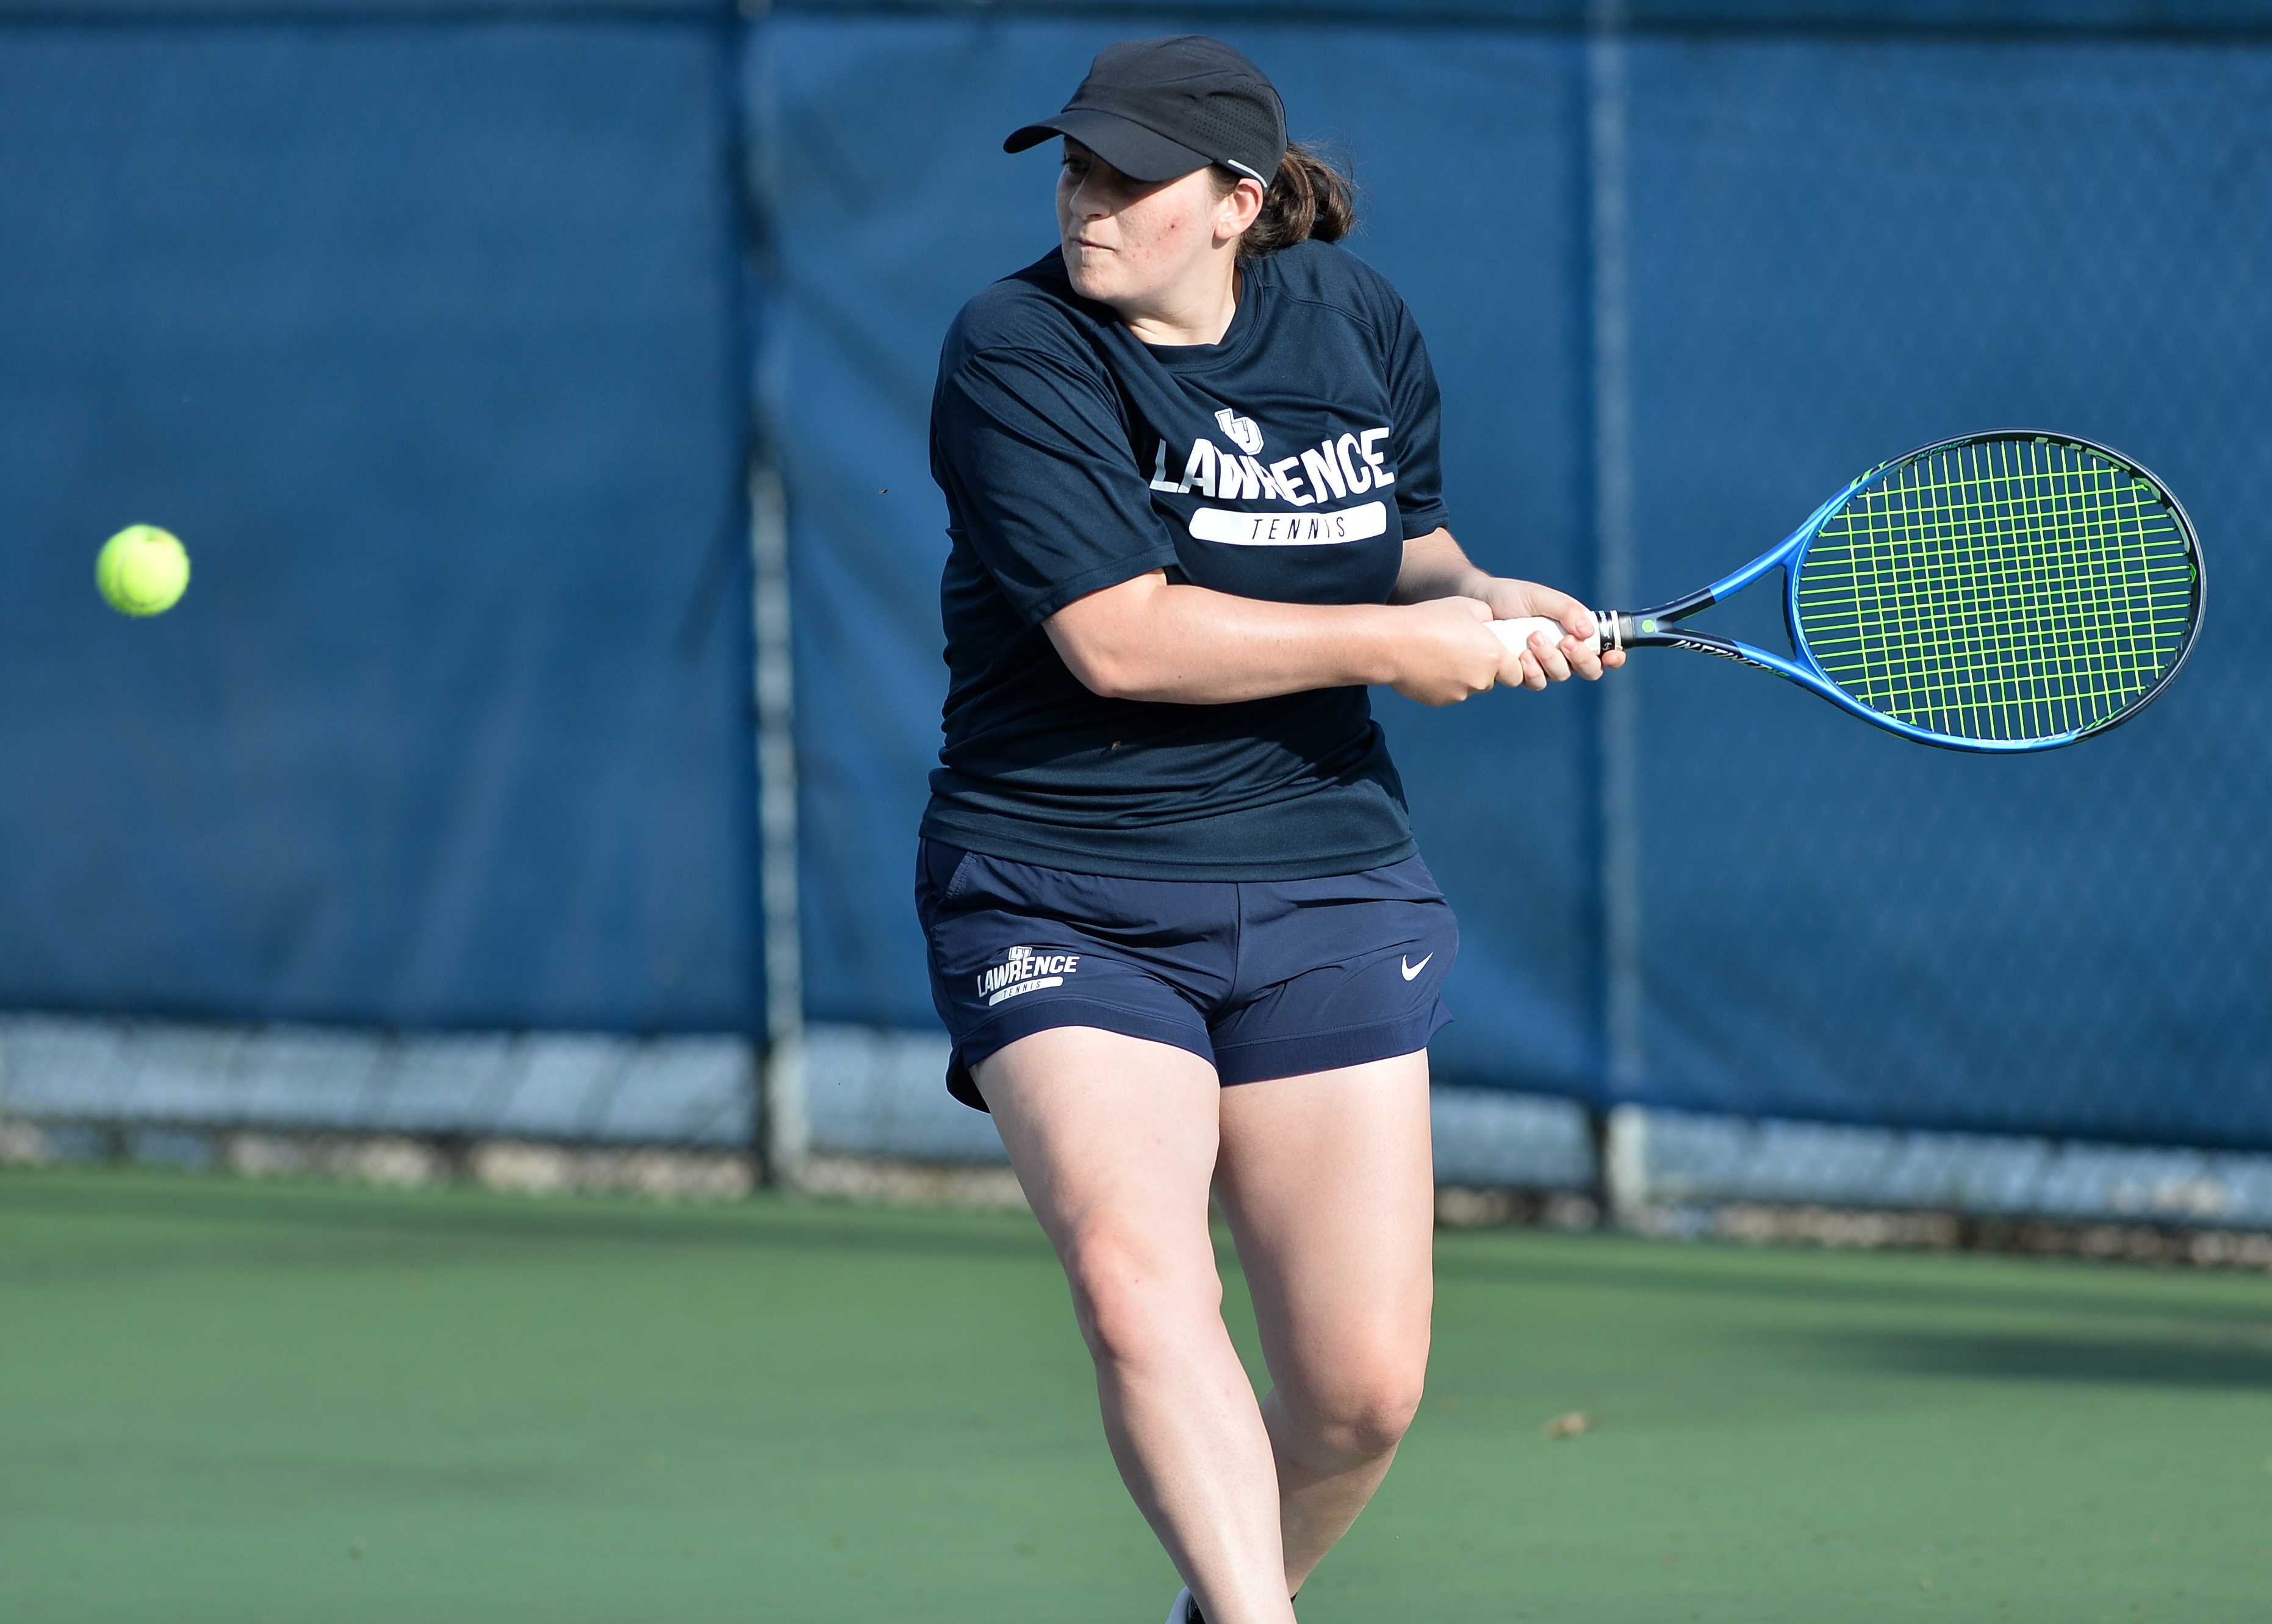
x=1310 y=199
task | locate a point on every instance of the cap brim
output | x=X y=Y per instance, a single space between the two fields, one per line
x=1138 y=153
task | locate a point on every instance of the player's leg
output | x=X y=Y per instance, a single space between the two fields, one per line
x=1113 y=1139
x=1328 y=1182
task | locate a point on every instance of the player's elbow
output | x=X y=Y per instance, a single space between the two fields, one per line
x=1107 y=673
x=1096 y=659
x=1107 y=639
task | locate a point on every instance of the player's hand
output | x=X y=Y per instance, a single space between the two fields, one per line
x=1544 y=661
x=1447 y=651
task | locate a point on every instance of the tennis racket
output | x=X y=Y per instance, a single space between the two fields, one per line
x=2014 y=590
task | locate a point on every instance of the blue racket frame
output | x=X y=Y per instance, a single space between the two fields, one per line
x=1658 y=627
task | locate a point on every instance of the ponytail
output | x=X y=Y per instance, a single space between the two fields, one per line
x=1309 y=199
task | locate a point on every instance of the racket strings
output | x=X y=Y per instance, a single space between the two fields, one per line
x=2010 y=589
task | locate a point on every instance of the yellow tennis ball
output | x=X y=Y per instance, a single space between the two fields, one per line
x=142 y=570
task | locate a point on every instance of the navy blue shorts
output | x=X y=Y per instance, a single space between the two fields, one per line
x=1269 y=978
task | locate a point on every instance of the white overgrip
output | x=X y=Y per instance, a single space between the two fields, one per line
x=1516 y=634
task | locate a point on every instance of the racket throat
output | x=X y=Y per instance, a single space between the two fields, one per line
x=1661 y=628
x=1654 y=628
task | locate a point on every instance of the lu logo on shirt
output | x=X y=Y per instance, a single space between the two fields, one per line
x=1243 y=430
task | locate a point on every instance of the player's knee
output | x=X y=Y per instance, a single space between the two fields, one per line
x=1138 y=1303
x=1375 y=1419
x=1366 y=1407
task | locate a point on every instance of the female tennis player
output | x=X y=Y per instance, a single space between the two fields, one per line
x=1179 y=930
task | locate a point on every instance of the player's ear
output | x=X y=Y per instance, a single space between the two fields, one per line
x=1239 y=207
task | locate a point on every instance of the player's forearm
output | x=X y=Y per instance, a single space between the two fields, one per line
x=1163 y=642
x=1435 y=567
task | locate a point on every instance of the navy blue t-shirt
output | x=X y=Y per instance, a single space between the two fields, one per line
x=1289 y=461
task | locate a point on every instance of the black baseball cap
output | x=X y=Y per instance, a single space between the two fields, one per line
x=1157 y=108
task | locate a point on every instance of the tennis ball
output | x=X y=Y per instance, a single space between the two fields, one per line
x=142 y=570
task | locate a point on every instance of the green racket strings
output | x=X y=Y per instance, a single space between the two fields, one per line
x=2014 y=588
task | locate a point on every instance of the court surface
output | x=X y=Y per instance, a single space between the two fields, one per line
x=222 y=1400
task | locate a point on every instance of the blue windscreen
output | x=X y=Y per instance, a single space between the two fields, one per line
x=423 y=338
x=426 y=325
x=1840 y=252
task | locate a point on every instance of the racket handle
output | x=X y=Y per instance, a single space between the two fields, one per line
x=1516 y=634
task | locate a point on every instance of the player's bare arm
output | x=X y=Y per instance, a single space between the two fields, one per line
x=1153 y=638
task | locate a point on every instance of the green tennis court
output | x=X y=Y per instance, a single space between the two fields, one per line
x=222 y=1400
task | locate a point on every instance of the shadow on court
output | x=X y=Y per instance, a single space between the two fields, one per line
x=2228 y=1363
x=1799 y=1276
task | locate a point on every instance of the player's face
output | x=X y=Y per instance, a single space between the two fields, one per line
x=1127 y=241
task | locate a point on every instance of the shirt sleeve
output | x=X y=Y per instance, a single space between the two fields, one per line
x=1035 y=462
x=1412 y=396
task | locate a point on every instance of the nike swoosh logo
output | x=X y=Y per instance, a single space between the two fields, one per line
x=1410 y=968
